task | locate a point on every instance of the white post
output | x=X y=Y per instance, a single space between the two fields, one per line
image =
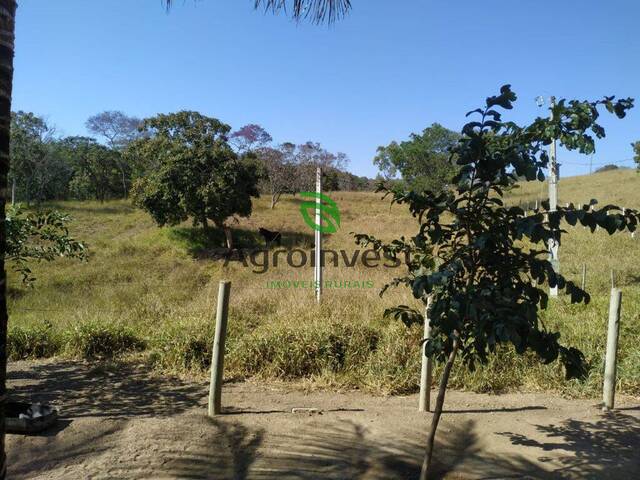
x=553 y=204
x=609 y=390
x=424 y=404
x=217 y=356
x=318 y=237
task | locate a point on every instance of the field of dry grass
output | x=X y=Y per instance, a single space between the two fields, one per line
x=150 y=292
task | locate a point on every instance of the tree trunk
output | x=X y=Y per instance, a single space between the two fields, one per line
x=228 y=236
x=428 y=454
x=273 y=200
x=124 y=182
x=7 y=36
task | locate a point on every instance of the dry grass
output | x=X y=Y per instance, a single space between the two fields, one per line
x=156 y=288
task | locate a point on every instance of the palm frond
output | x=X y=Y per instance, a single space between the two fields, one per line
x=317 y=11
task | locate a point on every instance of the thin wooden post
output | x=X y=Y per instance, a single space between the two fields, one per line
x=584 y=276
x=217 y=357
x=609 y=389
x=318 y=237
x=613 y=279
x=426 y=372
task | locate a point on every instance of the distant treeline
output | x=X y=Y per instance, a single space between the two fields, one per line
x=46 y=166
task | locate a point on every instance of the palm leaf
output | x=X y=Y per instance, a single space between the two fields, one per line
x=317 y=11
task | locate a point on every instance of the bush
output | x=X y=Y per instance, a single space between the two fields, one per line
x=394 y=367
x=38 y=341
x=93 y=339
x=287 y=352
x=184 y=347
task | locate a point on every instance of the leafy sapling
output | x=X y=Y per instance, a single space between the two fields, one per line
x=490 y=260
x=37 y=237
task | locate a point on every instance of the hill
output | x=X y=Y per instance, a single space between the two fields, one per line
x=150 y=293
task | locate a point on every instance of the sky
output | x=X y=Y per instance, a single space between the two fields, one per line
x=388 y=69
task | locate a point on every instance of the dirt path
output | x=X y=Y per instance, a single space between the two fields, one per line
x=123 y=423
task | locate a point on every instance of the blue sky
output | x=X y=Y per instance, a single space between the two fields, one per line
x=390 y=68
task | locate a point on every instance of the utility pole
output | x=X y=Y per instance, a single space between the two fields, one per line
x=553 y=203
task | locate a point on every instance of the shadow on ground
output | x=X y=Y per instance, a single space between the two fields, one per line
x=607 y=448
x=211 y=243
x=123 y=422
x=103 y=390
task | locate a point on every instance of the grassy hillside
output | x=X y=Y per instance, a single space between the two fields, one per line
x=150 y=292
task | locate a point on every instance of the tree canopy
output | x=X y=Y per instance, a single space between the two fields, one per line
x=250 y=137
x=423 y=161
x=37 y=171
x=192 y=172
x=117 y=128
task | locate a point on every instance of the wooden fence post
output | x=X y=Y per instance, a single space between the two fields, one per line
x=609 y=389
x=426 y=371
x=217 y=356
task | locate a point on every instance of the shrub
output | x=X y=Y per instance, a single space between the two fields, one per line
x=94 y=339
x=394 y=367
x=30 y=342
x=184 y=347
x=294 y=351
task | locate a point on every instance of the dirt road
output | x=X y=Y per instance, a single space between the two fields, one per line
x=122 y=422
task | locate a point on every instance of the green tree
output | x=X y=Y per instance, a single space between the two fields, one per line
x=37 y=237
x=95 y=167
x=423 y=161
x=38 y=172
x=193 y=172
x=636 y=151
x=483 y=263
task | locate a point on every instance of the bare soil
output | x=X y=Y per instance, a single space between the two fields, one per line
x=124 y=422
